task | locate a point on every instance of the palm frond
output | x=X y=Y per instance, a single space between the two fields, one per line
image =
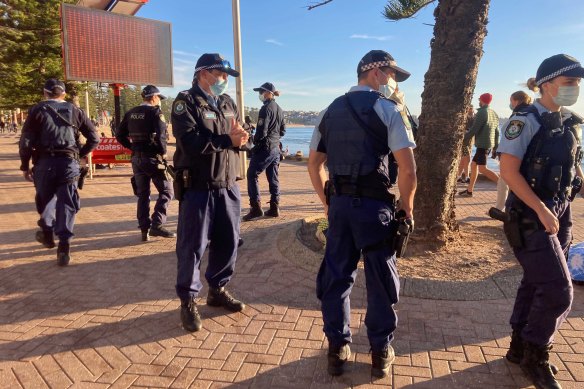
x=403 y=9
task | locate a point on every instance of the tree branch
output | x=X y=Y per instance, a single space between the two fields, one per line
x=318 y=4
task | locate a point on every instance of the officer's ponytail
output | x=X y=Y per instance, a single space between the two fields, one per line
x=276 y=93
x=521 y=97
x=532 y=85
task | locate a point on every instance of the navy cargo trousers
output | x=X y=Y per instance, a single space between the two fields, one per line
x=545 y=294
x=57 y=199
x=146 y=171
x=354 y=224
x=207 y=217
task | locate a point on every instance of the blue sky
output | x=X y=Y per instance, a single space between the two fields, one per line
x=311 y=56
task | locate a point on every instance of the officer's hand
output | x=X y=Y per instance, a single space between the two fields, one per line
x=83 y=161
x=549 y=221
x=28 y=175
x=238 y=135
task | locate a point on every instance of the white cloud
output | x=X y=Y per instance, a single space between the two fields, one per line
x=274 y=42
x=185 y=53
x=373 y=37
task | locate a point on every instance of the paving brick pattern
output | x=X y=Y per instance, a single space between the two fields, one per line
x=111 y=319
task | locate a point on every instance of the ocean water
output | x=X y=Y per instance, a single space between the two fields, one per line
x=298 y=139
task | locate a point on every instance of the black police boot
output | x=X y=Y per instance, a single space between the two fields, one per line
x=220 y=297
x=145 y=235
x=240 y=242
x=254 y=212
x=515 y=352
x=45 y=237
x=274 y=211
x=63 y=254
x=337 y=356
x=535 y=365
x=189 y=315
x=381 y=361
x=161 y=231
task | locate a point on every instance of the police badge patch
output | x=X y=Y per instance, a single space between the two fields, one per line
x=260 y=121
x=162 y=119
x=180 y=107
x=514 y=129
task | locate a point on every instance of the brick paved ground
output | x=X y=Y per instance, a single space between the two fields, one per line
x=111 y=319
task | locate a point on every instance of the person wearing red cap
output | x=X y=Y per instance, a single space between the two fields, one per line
x=485 y=129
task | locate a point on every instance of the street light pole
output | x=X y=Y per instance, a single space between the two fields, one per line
x=238 y=80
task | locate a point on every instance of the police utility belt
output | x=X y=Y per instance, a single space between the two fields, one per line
x=145 y=154
x=59 y=153
x=185 y=179
x=339 y=187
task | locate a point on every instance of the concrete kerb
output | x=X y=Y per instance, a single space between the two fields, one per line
x=497 y=287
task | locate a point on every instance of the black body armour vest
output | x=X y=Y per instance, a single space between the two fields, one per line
x=141 y=120
x=553 y=153
x=356 y=155
x=56 y=133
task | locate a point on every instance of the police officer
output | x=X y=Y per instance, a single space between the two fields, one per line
x=540 y=154
x=355 y=136
x=266 y=153
x=146 y=128
x=206 y=124
x=50 y=137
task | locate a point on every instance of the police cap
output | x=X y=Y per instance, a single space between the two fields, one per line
x=151 y=90
x=53 y=84
x=380 y=59
x=558 y=65
x=266 y=86
x=211 y=61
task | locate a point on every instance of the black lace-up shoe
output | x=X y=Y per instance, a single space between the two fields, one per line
x=45 y=237
x=220 y=297
x=63 y=254
x=161 y=231
x=145 y=235
x=337 y=356
x=189 y=315
x=381 y=361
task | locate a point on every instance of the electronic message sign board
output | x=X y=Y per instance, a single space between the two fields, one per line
x=112 y=48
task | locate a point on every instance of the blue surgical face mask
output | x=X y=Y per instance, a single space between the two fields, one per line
x=262 y=97
x=567 y=95
x=219 y=87
x=511 y=107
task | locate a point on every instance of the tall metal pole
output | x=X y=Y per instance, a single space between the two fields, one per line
x=87 y=99
x=238 y=80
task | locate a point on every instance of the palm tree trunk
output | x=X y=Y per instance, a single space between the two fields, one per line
x=456 y=51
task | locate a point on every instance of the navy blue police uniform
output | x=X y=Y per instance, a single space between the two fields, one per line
x=51 y=139
x=207 y=167
x=357 y=133
x=266 y=152
x=548 y=145
x=143 y=130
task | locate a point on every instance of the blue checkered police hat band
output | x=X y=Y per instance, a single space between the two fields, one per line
x=557 y=73
x=378 y=64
